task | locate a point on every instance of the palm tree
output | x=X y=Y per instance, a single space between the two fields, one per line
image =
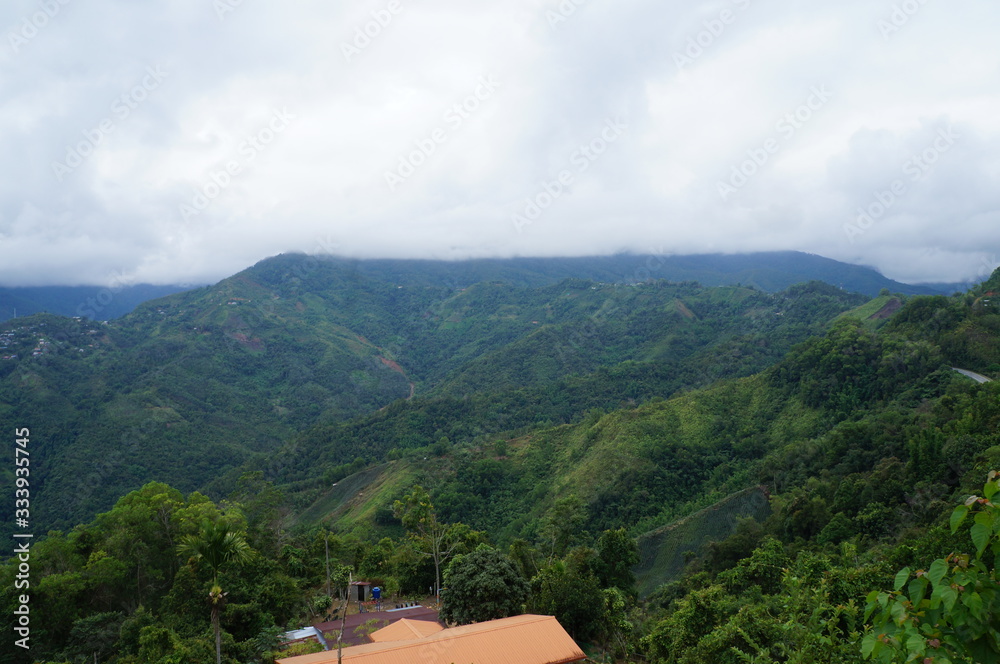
x=216 y=544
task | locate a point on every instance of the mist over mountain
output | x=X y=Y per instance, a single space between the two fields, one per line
x=769 y=271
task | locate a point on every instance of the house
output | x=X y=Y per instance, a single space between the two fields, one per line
x=527 y=639
x=406 y=630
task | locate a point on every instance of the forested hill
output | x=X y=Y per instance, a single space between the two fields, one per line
x=641 y=467
x=191 y=385
x=769 y=271
x=863 y=439
x=853 y=426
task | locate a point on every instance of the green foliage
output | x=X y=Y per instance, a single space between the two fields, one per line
x=213 y=381
x=838 y=529
x=429 y=536
x=946 y=612
x=95 y=634
x=805 y=620
x=562 y=524
x=569 y=590
x=117 y=591
x=617 y=554
x=619 y=623
x=482 y=585
x=161 y=645
x=771 y=502
x=764 y=569
x=216 y=544
x=723 y=530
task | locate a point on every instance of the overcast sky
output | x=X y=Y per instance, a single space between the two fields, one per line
x=181 y=141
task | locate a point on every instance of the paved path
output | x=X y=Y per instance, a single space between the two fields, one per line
x=979 y=378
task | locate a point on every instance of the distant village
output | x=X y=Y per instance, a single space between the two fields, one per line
x=26 y=335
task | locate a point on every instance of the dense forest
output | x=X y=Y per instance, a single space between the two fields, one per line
x=188 y=387
x=545 y=443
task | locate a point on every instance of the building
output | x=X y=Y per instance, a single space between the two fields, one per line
x=526 y=639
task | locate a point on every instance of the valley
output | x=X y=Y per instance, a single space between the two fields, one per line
x=715 y=444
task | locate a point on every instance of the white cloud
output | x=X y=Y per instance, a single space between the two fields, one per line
x=205 y=129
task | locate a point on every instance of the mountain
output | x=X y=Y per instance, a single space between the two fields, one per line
x=850 y=407
x=635 y=467
x=190 y=386
x=91 y=302
x=769 y=271
x=771 y=463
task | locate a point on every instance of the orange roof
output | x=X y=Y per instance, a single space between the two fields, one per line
x=406 y=630
x=526 y=639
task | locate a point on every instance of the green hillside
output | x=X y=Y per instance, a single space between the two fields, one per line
x=575 y=477
x=644 y=467
x=191 y=386
x=769 y=271
x=861 y=438
x=664 y=552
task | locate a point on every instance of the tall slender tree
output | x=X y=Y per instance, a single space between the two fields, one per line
x=439 y=541
x=216 y=544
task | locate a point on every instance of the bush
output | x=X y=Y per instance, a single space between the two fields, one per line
x=482 y=585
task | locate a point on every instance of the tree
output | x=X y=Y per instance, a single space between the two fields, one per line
x=525 y=556
x=617 y=628
x=95 y=635
x=562 y=524
x=568 y=590
x=141 y=531
x=430 y=537
x=617 y=554
x=482 y=585
x=261 y=503
x=948 y=612
x=216 y=544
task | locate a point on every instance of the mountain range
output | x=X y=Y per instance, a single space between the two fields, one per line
x=771 y=455
x=190 y=386
x=770 y=271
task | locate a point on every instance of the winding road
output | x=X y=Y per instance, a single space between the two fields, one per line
x=979 y=378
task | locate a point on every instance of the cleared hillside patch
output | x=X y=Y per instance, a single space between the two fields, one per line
x=664 y=552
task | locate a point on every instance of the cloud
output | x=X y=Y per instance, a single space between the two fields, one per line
x=184 y=141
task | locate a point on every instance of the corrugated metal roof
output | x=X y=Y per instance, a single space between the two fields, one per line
x=299 y=634
x=406 y=630
x=526 y=639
